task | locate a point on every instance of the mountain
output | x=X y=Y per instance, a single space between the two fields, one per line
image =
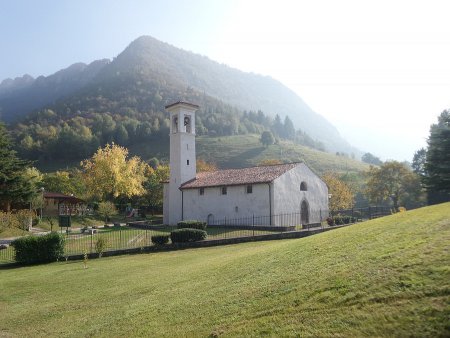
x=147 y=56
x=149 y=74
x=25 y=94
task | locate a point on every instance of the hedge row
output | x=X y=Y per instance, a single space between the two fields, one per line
x=187 y=235
x=39 y=249
x=341 y=220
x=192 y=224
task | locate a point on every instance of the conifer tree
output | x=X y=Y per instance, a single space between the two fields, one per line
x=437 y=164
x=14 y=187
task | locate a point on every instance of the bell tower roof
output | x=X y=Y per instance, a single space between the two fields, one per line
x=182 y=103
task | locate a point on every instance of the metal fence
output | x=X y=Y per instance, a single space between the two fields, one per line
x=314 y=217
x=80 y=241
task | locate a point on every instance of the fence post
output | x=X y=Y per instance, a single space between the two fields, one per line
x=92 y=234
x=253 y=223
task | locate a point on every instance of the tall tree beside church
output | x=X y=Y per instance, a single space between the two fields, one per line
x=437 y=163
x=14 y=187
x=109 y=174
x=153 y=185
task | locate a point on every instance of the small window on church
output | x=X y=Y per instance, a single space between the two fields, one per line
x=303 y=186
x=187 y=162
x=249 y=189
x=224 y=190
x=201 y=191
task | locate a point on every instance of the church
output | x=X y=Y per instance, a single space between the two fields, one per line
x=271 y=195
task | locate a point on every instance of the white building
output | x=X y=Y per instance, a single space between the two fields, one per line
x=284 y=194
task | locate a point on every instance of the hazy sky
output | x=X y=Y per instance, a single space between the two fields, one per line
x=378 y=70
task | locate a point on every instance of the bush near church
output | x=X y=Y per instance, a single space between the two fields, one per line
x=187 y=235
x=160 y=239
x=191 y=224
x=39 y=249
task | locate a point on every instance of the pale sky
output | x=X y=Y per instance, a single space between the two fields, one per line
x=378 y=70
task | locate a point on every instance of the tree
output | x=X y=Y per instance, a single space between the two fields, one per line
x=66 y=182
x=278 y=127
x=341 y=194
x=437 y=163
x=394 y=181
x=202 y=166
x=14 y=186
x=267 y=138
x=289 y=129
x=154 y=187
x=109 y=174
x=371 y=159
x=106 y=209
x=418 y=163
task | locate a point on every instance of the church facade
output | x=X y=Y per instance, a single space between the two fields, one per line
x=267 y=195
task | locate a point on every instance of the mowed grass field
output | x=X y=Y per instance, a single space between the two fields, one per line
x=388 y=277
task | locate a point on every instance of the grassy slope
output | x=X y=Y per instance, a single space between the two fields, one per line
x=246 y=150
x=240 y=151
x=386 y=277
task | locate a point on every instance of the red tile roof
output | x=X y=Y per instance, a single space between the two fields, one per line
x=253 y=175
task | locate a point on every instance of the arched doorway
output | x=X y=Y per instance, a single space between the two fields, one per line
x=304 y=212
x=210 y=219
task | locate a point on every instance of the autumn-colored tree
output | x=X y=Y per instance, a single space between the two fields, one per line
x=341 y=194
x=394 y=181
x=109 y=174
x=202 y=166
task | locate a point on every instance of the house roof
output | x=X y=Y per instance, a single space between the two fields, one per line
x=253 y=175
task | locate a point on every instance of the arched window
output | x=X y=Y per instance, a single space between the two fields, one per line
x=303 y=186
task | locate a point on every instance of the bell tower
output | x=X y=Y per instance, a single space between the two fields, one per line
x=182 y=157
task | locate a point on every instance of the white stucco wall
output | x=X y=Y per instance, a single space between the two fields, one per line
x=166 y=205
x=288 y=197
x=196 y=206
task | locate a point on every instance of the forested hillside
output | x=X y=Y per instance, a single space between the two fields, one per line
x=84 y=106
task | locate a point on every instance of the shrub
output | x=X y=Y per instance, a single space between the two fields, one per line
x=192 y=224
x=187 y=235
x=160 y=239
x=338 y=220
x=100 y=245
x=39 y=249
x=330 y=221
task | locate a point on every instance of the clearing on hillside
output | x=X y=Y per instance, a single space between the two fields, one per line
x=386 y=277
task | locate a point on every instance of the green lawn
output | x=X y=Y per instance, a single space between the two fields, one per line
x=387 y=277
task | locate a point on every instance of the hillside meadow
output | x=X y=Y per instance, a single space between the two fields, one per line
x=241 y=151
x=386 y=277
